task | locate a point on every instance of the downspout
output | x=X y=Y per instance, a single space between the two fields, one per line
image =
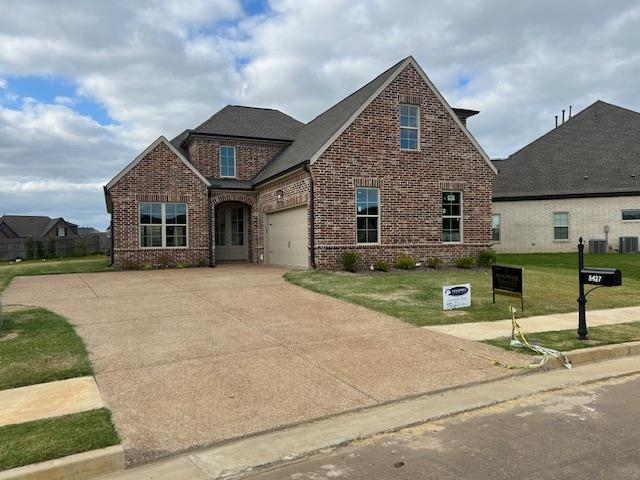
x=108 y=200
x=210 y=212
x=312 y=217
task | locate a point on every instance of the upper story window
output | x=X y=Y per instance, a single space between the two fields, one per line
x=631 y=214
x=227 y=161
x=163 y=224
x=367 y=214
x=452 y=217
x=561 y=225
x=409 y=127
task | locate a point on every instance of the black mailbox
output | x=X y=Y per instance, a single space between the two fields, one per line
x=604 y=277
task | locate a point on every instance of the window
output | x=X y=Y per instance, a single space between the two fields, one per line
x=62 y=232
x=367 y=214
x=227 y=161
x=163 y=225
x=451 y=216
x=409 y=127
x=630 y=214
x=561 y=225
x=495 y=227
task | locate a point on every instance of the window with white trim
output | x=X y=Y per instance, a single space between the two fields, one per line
x=495 y=227
x=62 y=232
x=561 y=225
x=452 y=217
x=409 y=127
x=163 y=225
x=367 y=215
x=631 y=214
x=227 y=161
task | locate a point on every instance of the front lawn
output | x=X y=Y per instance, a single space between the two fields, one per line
x=550 y=286
x=90 y=263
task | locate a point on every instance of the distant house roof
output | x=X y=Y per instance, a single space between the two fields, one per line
x=25 y=226
x=594 y=153
x=87 y=230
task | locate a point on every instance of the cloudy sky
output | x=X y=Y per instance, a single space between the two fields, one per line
x=85 y=85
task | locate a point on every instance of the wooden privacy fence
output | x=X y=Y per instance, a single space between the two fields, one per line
x=52 y=247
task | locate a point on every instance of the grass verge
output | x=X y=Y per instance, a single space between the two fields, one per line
x=565 y=340
x=42 y=440
x=550 y=286
x=90 y=263
x=38 y=346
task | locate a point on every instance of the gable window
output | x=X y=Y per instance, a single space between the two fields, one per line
x=62 y=232
x=561 y=225
x=367 y=214
x=163 y=225
x=630 y=214
x=495 y=227
x=409 y=127
x=227 y=161
x=451 y=217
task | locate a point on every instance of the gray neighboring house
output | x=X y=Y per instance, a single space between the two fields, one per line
x=581 y=179
x=36 y=227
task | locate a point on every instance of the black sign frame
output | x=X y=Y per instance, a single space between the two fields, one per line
x=508 y=280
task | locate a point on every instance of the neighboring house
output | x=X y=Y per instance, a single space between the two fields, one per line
x=87 y=231
x=389 y=170
x=582 y=179
x=36 y=227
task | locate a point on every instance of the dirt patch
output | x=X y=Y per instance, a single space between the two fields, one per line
x=9 y=336
x=405 y=294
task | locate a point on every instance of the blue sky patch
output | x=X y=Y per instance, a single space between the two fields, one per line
x=462 y=81
x=47 y=89
x=255 y=7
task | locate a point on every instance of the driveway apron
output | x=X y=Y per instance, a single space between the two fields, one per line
x=189 y=358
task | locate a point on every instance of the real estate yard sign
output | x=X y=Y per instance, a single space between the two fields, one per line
x=456 y=296
x=508 y=281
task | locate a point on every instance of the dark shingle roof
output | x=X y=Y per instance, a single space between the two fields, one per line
x=29 y=226
x=596 y=152
x=250 y=122
x=317 y=132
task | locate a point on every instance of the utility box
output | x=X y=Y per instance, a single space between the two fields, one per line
x=603 y=277
x=628 y=244
x=597 y=246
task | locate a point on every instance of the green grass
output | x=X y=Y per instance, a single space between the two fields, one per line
x=550 y=286
x=42 y=440
x=90 y=263
x=38 y=346
x=565 y=340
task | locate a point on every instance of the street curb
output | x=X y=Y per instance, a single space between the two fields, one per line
x=80 y=466
x=595 y=354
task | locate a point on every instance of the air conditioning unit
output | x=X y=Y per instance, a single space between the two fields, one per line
x=597 y=246
x=628 y=244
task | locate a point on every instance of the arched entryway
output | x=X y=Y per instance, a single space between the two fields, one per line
x=232 y=227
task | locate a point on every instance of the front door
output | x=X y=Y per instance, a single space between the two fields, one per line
x=231 y=232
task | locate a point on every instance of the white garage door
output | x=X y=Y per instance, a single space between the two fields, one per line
x=287 y=239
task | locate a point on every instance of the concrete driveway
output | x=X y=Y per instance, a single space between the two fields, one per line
x=188 y=358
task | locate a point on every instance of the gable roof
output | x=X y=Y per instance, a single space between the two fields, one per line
x=250 y=122
x=323 y=130
x=139 y=158
x=25 y=226
x=596 y=152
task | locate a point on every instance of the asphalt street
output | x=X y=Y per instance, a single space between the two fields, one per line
x=590 y=431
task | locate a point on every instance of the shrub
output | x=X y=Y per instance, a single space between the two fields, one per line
x=201 y=262
x=486 y=258
x=350 y=261
x=381 y=266
x=40 y=249
x=406 y=262
x=147 y=266
x=180 y=265
x=434 y=262
x=465 y=262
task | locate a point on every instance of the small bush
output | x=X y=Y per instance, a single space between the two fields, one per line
x=465 y=262
x=147 y=266
x=180 y=265
x=406 y=262
x=486 y=258
x=350 y=261
x=201 y=262
x=381 y=266
x=434 y=262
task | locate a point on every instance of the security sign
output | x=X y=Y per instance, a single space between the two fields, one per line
x=456 y=296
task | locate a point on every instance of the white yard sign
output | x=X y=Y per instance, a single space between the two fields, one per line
x=456 y=296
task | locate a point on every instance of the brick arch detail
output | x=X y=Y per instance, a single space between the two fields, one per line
x=234 y=197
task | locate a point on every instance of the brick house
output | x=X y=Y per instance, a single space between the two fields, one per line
x=389 y=170
x=580 y=179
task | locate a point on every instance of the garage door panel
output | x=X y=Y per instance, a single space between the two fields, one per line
x=287 y=238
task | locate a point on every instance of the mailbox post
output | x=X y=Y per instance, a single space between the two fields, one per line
x=600 y=277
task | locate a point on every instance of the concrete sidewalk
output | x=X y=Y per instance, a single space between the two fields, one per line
x=545 y=323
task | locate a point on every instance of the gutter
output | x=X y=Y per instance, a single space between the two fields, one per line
x=565 y=196
x=312 y=218
x=210 y=213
